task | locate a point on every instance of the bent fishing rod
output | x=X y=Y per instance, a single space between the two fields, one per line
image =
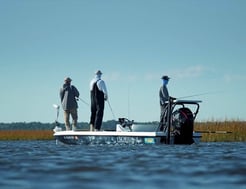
x=111 y=109
x=78 y=98
x=57 y=107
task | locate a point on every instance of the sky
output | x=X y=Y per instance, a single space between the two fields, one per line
x=200 y=45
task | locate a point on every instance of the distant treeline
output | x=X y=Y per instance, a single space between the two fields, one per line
x=108 y=125
x=46 y=126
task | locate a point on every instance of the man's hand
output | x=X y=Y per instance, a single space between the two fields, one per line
x=172 y=98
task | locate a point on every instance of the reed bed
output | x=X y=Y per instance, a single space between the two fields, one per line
x=26 y=135
x=226 y=131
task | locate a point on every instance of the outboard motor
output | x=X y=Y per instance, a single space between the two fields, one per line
x=182 y=126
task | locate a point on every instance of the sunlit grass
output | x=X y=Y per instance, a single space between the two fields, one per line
x=235 y=131
x=26 y=135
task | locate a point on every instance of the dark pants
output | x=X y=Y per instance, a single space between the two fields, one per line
x=97 y=108
x=163 y=117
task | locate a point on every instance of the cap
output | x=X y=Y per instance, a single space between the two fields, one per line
x=98 y=72
x=165 y=77
x=67 y=79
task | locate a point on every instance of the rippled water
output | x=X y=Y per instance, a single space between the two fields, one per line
x=45 y=164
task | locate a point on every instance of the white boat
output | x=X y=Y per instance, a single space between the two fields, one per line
x=178 y=129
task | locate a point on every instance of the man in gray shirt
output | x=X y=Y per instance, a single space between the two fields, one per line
x=69 y=95
x=164 y=97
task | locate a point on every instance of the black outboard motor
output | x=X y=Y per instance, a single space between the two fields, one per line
x=182 y=126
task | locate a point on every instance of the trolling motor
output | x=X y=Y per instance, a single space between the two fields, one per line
x=125 y=124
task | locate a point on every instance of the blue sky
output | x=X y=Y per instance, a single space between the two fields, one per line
x=201 y=45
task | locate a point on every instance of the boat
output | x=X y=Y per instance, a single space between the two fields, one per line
x=178 y=128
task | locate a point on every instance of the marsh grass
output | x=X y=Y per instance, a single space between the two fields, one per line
x=235 y=131
x=26 y=135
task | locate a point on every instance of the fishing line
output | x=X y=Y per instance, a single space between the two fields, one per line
x=89 y=105
x=78 y=98
x=200 y=94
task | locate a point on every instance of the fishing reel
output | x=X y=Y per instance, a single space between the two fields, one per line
x=57 y=123
x=124 y=122
x=57 y=126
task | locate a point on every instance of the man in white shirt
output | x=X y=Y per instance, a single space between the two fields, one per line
x=99 y=94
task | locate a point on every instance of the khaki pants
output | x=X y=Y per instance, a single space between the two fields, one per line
x=74 y=115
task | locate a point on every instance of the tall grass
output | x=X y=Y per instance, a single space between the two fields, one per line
x=26 y=135
x=235 y=131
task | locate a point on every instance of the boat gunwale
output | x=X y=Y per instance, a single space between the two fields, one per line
x=108 y=133
x=115 y=133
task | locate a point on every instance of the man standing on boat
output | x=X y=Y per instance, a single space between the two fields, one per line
x=164 y=97
x=98 y=94
x=69 y=95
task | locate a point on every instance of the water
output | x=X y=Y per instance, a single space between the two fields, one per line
x=43 y=164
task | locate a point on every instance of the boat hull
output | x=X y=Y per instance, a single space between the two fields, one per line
x=113 y=137
x=176 y=128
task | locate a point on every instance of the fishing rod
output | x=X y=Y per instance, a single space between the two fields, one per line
x=216 y=132
x=111 y=109
x=78 y=98
x=199 y=94
x=57 y=107
x=57 y=128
